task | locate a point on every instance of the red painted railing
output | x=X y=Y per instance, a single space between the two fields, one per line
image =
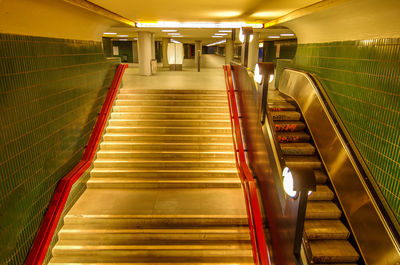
x=260 y=250
x=57 y=203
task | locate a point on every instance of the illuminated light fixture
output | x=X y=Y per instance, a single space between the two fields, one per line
x=257 y=76
x=134 y=38
x=261 y=45
x=169 y=30
x=175 y=41
x=271 y=77
x=109 y=33
x=178 y=36
x=216 y=36
x=288 y=183
x=221 y=34
x=122 y=36
x=210 y=25
x=287 y=34
x=216 y=43
x=174 y=33
x=123 y=39
x=274 y=37
x=225 y=31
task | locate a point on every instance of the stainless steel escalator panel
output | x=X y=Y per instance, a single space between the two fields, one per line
x=371 y=231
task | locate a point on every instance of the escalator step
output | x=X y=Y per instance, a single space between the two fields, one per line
x=285 y=115
x=289 y=126
x=320 y=176
x=293 y=137
x=323 y=193
x=297 y=149
x=333 y=251
x=172 y=97
x=325 y=229
x=172 y=91
x=322 y=210
x=281 y=106
x=303 y=161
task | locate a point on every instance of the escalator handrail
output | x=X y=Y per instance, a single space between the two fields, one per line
x=51 y=219
x=260 y=250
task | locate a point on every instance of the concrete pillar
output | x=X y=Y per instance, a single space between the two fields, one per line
x=253 y=51
x=135 y=51
x=165 y=42
x=229 y=51
x=144 y=50
x=153 y=47
x=197 y=47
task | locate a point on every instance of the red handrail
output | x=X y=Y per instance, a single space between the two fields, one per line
x=57 y=203
x=260 y=250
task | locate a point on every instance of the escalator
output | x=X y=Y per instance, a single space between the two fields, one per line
x=326 y=236
x=164 y=188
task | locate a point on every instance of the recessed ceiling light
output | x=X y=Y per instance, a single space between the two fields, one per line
x=214 y=36
x=216 y=43
x=221 y=34
x=122 y=35
x=227 y=31
x=287 y=34
x=178 y=36
x=110 y=33
x=273 y=37
x=174 y=33
x=169 y=30
x=123 y=39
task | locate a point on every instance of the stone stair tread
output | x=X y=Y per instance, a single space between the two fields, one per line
x=323 y=192
x=322 y=210
x=333 y=251
x=325 y=229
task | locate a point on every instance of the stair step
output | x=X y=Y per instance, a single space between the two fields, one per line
x=320 y=177
x=323 y=193
x=281 y=106
x=325 y=229
x=170 y=155
x=164 y=174
x=285 y=115
x=151 y=221
x=125 y=137
x=166 y=146
x=126 y=183
x=297 y=149
x=140 y=236
x=170 y=130
x=139 y=102
x=170 y=116
x=303 y=161
x=173 y=91
x=322 y=210
x=333 y=251
x=172 y=109
x=148 y=164
x=196 y=97
x=293 y=137
x=289 y=126
x=169 y=123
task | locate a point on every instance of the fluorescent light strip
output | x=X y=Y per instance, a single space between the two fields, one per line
x=221 y=34
x=174 y=33
x=169 y=30
x=227 y=31
x=273 y=37
x=123 y=39
x=287 y=34
x=109 y=33
x=216 y=36
x=122 y=35
x=175 y=41
x=169 y=24
x=216 y=43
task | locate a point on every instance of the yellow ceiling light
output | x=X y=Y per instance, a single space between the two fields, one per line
x=169 y=30
x=173 y=24
x=264 y=14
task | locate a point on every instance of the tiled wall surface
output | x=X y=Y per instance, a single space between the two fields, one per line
x=362 y=79
x=50 y=93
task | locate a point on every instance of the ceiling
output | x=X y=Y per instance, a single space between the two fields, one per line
x=250 y=11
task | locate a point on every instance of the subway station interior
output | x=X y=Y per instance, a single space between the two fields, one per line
x=225 y=132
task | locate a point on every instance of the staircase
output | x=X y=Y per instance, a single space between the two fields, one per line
x=164 y=188
x=326 y=234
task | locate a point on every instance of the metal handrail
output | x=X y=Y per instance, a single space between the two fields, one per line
x=260 y=250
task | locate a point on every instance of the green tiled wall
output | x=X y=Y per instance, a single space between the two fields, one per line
x=362 y=79
x=50 y=93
